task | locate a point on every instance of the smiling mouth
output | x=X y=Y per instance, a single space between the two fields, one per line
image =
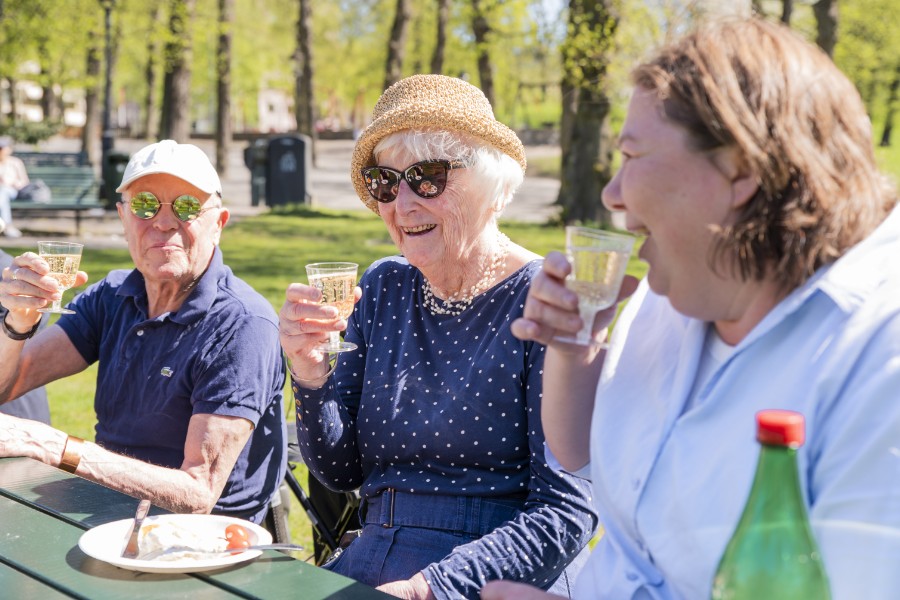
x=419 y=230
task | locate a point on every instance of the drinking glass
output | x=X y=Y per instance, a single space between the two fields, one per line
x=63 y=258
x=598 y=260
x=336 y=281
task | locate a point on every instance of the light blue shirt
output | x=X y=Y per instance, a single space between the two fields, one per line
x=670 y=483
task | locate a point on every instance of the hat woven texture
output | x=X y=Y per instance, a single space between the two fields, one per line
x=434 y=102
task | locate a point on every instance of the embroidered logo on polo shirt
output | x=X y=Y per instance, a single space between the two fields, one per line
x=166 y=371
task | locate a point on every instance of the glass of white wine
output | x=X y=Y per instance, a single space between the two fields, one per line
x=598 y=260
x=336 y=281
x=63 y=258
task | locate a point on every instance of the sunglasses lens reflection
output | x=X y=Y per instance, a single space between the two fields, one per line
x=427 y=179
x=144 y=205
x=186 y=208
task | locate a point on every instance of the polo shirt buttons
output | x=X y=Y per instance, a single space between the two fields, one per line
x=140 y=332
x=631 y=576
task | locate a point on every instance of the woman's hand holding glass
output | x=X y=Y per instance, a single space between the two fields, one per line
x=551 y=309
x=304 y=326
x=28 y=287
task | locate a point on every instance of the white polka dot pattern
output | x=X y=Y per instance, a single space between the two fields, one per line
x=450 y=405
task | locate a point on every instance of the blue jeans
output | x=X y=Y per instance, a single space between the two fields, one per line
x=401 y=538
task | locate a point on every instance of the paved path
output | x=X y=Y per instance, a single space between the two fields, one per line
x=329 y=182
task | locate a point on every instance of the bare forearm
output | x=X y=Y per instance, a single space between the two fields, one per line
x=178 y=490
x=570 y=384
x=173 y=489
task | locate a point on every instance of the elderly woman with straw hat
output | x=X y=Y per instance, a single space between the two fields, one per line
x=436 y=417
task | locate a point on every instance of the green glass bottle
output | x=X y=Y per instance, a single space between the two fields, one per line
x=772 y=553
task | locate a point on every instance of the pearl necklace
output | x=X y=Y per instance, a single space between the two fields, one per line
x=455 y=305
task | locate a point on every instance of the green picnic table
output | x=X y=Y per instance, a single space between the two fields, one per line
x=44 y=512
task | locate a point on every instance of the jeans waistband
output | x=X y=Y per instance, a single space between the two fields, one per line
x=471 y=515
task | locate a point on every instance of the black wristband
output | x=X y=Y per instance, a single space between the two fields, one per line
x=14 y=335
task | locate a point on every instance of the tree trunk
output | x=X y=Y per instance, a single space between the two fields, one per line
x=826 y=12
x=567 y=120
x=587 y=155
x=891 y=110
x=443 y=16
x=787 y=7
x=223 y=86
x=397 y=43
x=151 y=105
x=48 y=94
x=13 y=101
x=176 y=105
x=481 y=28
x=90 y=133
x=304 y=97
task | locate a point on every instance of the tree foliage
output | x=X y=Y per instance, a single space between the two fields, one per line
x=520 y=45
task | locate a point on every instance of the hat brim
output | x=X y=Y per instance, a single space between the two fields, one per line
x=493 y=132
x=126 y=182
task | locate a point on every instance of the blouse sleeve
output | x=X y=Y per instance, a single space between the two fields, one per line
x=326 y=418
x=535 y=547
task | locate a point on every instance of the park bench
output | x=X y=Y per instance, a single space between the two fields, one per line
x=73 y=185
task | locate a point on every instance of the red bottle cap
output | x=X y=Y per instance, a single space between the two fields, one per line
x=780 y=428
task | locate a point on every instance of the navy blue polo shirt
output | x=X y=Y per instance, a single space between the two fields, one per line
x=218 y=354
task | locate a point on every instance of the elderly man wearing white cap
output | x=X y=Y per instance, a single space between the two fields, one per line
x=190 y=377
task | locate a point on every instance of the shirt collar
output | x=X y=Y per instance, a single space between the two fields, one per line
x=199 y=301
x=849 y=281
x=865 y=267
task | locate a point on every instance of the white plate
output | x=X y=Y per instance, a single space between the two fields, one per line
x=106 y=542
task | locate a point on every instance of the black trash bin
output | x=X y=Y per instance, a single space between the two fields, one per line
x=255 y=159
x=113 y=170
x=287 y=170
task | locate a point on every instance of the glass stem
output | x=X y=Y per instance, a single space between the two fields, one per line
x=334 y=338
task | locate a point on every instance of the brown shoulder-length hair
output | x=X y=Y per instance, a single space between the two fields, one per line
x=802 y=131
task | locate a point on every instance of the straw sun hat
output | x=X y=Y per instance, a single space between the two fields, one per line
x=430 y=102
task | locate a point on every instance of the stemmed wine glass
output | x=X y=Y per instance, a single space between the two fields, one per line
x=63 y=258
x=598 y=260
x=336 y=281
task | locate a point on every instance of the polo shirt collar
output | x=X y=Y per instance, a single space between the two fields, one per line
x=197 y=304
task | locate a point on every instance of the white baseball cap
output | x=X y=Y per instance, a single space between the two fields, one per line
x=184 y=161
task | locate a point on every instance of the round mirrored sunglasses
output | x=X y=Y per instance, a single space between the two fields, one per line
x=427 y=179
x=144 y=205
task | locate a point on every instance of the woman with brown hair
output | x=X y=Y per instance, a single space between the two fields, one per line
x=771 y=239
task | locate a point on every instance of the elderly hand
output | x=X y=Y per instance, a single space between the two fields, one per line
x=551 y=309
x=507 y=590
x=414 y=588
x=26 y=287
x=303 y=324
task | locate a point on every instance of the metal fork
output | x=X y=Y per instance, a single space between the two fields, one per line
x=173 y=549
